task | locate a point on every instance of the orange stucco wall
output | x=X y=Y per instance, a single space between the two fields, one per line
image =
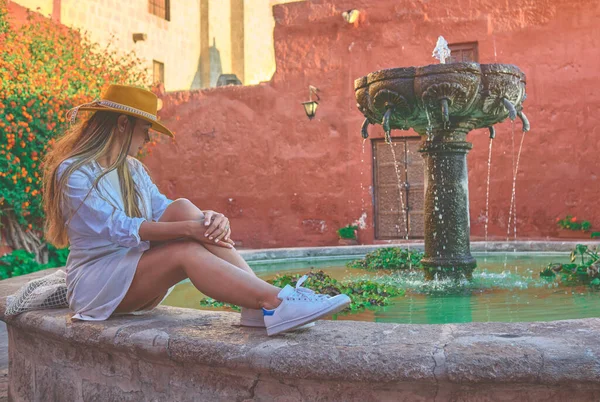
x=251 y=153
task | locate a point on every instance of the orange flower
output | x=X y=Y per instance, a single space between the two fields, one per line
x=573 y=219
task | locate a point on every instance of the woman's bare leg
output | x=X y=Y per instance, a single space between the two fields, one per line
x=184 y=210
x=162 y=267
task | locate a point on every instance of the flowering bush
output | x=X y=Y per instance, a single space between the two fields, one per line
x=45 y=69
x=571 y=223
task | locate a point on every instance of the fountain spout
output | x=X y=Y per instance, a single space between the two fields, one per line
x=512 y=112
x=386 y=122
x=364 y=129
x=445 y=112
x=526 y=126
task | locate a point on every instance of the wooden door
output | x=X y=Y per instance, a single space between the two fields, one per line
x=399 y=188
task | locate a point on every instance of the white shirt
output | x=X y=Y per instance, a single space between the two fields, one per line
x=104 y=242
x=113 y=178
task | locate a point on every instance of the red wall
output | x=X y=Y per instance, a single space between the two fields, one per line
x=251 y=153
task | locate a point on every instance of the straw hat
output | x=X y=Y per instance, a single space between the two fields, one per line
x=126 y=100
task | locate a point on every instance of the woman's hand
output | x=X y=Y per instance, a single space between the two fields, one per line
x=218 y=227
x=197 y=233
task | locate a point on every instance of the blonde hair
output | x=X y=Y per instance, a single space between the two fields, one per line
x=85 y=141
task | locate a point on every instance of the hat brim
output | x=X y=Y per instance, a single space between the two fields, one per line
x=156 y=126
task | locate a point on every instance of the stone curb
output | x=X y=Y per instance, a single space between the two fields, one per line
x=534 y=353
x=544 y=353
x=343 y=251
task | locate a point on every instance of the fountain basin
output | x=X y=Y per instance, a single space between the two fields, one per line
x=474 y=93
x=184 y=355
x=506 y=287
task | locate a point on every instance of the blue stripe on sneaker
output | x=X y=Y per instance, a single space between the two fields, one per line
x=268 y=312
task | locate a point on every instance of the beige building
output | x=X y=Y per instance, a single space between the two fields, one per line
x=187 y=44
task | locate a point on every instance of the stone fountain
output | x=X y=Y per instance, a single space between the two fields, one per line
x=443 y=103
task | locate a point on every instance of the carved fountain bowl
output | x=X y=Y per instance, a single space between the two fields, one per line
x=474 y=94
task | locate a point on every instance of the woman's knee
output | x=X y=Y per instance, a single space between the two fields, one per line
x=186 y=250
x=181 y=209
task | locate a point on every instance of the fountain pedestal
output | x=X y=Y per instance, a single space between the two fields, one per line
x=447 y=226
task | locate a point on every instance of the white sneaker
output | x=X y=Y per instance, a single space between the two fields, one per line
x=300 y=306
x=255 y=318
x=252 y=318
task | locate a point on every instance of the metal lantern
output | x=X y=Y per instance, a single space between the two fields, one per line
x=310 y=107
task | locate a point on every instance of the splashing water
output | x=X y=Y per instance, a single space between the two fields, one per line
x=487 y=193
x=399 y=178
x=362 y=186
x=415 y=282
x=495 y=53
x=515 y=184
x=429 y=127
x=513 y=201
x=512 y=197
x=441 y=51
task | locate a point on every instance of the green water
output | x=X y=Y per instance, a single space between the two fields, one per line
x=505 y=288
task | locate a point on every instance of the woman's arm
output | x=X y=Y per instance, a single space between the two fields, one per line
x=164 y=231
x=90 y=214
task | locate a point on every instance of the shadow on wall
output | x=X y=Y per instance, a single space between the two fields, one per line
x=214 y=65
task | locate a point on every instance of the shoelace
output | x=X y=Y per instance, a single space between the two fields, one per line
x=307 y=294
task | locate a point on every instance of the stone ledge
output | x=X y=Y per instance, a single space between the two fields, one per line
x=477 y=247
x=542 y=353
x=171 y=351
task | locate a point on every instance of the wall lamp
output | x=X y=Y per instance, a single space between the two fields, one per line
x=310 y=107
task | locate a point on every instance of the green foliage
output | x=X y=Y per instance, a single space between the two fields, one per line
x=347 y=232
x=57 y=257
x=363 y=293
x=583 y=269
x=45 y=70
x=571 y=223
x=587 y=255
x=210 y=302
x=20 y=262
x=595 y=234
x=390 y=258
x=549 y=271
